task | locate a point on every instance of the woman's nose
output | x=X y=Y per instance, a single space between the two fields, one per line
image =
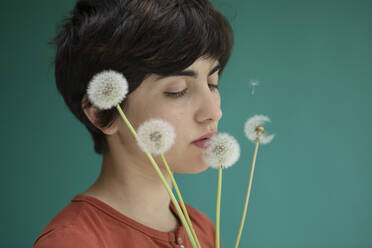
x=209 y=107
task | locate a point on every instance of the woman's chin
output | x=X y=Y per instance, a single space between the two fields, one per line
x=193 y=170
x=200 y=169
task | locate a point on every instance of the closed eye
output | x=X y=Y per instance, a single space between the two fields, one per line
x=176 y=94
x=212 y=87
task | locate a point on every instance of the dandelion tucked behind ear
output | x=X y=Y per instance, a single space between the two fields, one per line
x=107 y=89
x=254 y=130
x=155 y=136
x=223 y=151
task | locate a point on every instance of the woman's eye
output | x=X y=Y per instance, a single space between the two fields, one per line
x=176 y=94
x=213 y=87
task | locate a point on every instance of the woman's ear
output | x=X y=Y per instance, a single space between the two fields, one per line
x=91 y=113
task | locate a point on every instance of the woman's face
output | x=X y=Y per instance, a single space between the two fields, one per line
x=189 y=101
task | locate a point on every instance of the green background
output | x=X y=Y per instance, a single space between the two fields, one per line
x=312 y=184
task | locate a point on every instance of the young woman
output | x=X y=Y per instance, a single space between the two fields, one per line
x=172 y=53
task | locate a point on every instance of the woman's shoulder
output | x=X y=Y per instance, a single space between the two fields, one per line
x=69 y=227
x=60 y=236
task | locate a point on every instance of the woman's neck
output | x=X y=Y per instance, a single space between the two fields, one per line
x=136 y=191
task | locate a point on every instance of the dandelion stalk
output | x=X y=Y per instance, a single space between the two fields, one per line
x=126 y=121
x=222 y=152
x=218 y=207
x=247 y=196
x=256 y=133
x=156 y=136
x=181 y=200
x=156 y=167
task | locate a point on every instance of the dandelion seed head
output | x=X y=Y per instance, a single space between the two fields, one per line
x=254 y=129
x=107 y=89
x=155 y=136
x=223 y=151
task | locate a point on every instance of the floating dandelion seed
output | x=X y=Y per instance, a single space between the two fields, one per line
x=254 y=130
x=253 y=84
x=223 y=151
x=155 y=136
x=107 y=89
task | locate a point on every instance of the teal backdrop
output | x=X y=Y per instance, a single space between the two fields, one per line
x=312 y=183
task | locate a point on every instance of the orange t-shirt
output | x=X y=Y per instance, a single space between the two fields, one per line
x=90 y=223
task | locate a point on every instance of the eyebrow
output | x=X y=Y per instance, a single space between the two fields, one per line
x=188 y=73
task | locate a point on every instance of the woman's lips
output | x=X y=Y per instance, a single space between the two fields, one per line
x=203 y=143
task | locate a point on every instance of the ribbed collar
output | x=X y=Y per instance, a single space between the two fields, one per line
x=107 y=209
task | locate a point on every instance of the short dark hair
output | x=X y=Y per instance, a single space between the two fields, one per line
x=136 y=38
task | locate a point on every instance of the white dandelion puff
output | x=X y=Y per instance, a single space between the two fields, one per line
x=155 y=136
x=223 y=151
x=254 y=130
x=107 y=89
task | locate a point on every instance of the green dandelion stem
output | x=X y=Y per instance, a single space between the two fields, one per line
x=218 y=207
x=175 y=203
x=247 y=196
x=180 y=198
x=126 y=121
